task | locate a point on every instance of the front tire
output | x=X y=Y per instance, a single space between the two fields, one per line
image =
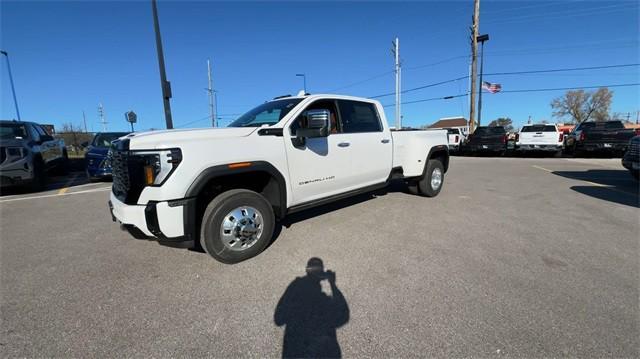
x=431 y=184
x=237 y=225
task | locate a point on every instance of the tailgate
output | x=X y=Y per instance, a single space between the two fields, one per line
x=539 y=138
x=609 y=136
x=487 y=140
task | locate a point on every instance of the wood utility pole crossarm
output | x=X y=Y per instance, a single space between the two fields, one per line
x=474 y=64
x=166 y=86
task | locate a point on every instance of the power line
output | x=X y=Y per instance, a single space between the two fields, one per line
x=558 y=15
x=208 y=117
x=510 y=73
x=362 y=81
x=521 y=90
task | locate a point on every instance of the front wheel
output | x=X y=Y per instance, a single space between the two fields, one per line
x=237 y=225
x=431 y=184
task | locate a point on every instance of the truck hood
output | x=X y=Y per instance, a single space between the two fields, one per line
x=171 y=138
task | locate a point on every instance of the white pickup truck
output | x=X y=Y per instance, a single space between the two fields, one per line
x=538 y=138
x=226 y=187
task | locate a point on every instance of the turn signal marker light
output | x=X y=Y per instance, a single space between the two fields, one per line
x=148 y=174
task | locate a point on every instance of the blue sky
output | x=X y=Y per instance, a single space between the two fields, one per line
x=67 y=57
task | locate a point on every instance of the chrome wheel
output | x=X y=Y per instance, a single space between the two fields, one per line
x=436 y=179
x=241 y=228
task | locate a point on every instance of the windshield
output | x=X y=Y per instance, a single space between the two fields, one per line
x=104 y=139
x=539 y=128
x=10 y=131
x=268 y=113
x=498 y=130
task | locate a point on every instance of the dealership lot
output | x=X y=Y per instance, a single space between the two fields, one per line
x=516 y=256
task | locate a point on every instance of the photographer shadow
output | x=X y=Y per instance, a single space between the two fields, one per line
x=310 y=316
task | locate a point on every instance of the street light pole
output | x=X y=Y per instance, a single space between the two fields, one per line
x=482 y=39
x=304 y=80
x=166 y=86
x=13 y=89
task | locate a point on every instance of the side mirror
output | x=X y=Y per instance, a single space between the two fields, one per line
x=318 y=123
x=85 y=144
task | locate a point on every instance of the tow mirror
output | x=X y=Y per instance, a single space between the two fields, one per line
x=317 y=124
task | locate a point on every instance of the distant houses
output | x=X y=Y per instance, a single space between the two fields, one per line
x=460 y=123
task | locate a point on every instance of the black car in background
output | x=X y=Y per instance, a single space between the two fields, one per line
x=487 y=139
x=602 y=136
x=97 y=165
x=631 y=158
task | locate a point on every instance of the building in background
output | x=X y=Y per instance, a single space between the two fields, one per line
x=460 y=123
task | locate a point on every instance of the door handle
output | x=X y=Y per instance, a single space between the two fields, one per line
x=386 y=140
x=343 y=144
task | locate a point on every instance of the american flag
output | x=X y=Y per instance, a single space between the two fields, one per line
x=493 y=88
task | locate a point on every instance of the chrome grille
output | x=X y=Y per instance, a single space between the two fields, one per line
x=120 y=173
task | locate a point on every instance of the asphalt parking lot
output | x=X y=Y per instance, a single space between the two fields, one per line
x=516 y=257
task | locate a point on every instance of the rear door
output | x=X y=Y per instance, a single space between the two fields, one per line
x=370 y=145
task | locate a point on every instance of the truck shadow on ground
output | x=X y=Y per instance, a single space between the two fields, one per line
x=615 y=186
x=311 y=316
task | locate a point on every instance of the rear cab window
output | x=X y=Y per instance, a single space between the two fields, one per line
x=489 y=131
x=539 y=128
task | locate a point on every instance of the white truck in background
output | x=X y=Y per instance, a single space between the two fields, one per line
x=456 y=138
x=226 y=187
x=538 y=138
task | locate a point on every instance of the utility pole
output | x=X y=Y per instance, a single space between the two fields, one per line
x=103 y=121
x=529 y=120
x=13 y=89
x=396 y=53
x=166 y=85
x=474 y=66
x=84 y=119
x=210 y=90
x=628 y=117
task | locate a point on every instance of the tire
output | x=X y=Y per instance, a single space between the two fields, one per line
x=39 y=175
x=246 y=238
x=426 y=185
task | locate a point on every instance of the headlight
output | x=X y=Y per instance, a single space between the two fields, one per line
x=158 y=165
x=16 y=153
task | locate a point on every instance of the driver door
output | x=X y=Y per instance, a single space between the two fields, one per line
x=321 y=167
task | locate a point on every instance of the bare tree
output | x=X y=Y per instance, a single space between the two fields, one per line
x=504 y=122
x=580 y=105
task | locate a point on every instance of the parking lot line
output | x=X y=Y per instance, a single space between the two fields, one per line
x=57 y=194
x=65 y=188
x=542 y=168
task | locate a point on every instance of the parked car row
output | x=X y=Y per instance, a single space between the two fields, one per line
x=608 y=137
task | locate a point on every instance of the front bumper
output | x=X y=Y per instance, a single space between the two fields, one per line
x=172 y=221
x=15 y=173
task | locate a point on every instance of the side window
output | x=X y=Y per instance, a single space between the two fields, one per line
x=318 y=105
x=359 y=117
x=33 y=133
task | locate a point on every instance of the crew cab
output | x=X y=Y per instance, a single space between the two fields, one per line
x=226 y=187
x=27 y=153
x=539 y=137
x=602 y=136
x=491 y=139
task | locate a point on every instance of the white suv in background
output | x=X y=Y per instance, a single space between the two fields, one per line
x=539 y=137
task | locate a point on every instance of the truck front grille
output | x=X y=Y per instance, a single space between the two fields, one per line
x=127 y=172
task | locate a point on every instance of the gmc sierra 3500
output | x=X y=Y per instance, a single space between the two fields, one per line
x=226 y=187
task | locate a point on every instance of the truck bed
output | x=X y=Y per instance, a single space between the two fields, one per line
x=410 y=148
